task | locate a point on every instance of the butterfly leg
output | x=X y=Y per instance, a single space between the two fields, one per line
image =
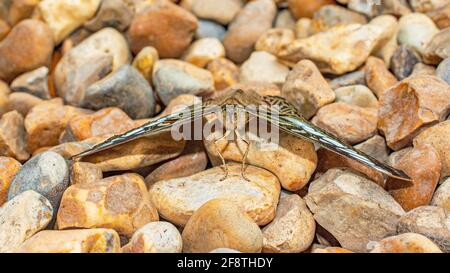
x=244 y=158
x=227 y=133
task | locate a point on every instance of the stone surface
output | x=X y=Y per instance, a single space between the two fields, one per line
x=285 y=20
x=352 y=78
x=429 y=221
x=427 y=5
x=338 y=50
x=358 y=95
x=173 y=77
x=274 y=40
x=352 y=124
x=165 y=26
x=64 y=16
x=46 y=121
x=293 y=160
x=406 y=243
x=4 y=29
x=438 y=48
x=306 y=89
x=262 y=66
x=416 y=30
x=210 y=29
x=177 y=199
x=411 y=104
x=342 y=202
x=423 y=69
x=193 y=160
x=330 y=250
x=96 y=240
x=28 y=46
x=441 y=16
x=145 y=60
x=155 y=237
x=306 y=8
x=441 y=197
x=126 y=89
x=84 y=173
x=46 y=173
x=111 y=13
x=22 y=102
x=330 y=16
x=403 y=61
x=437 y=136
x=378 y=77
x=293 y=228
x=8 y=168
x=423 y=165
x=202 y=51
x=4 y=98
x=443 y=70
x=303 y=28
x=13 y=137
x=247 y=26
x=91 y=60
x=222 y=11
x=224 y=72
x=22 y=217
x=119 y=202
x=221 y=223
x=34 y=82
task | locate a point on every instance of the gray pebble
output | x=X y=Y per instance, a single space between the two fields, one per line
x=443 y=70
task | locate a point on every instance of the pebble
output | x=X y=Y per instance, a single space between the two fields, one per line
x=173 y=77
x=293 y=228
x=374 y=146
x=285 y=20
x=46 y=173
x=4 y=29
x=64 y=16
x=222 y=12
x=95 y=240
x=441 y=16
x=247 y=26
x=203 y=51
x=91 y=60
x=224 y=72
x=19 y=57
x=437 y=136
x=378 y=77
x=8 y=169
x=274 y=40
x=224 y=250
x=145 y=61
x=423 y=165
x=4 y=98
x=85 y=173
x=21 y=217
x=423 y=69
x=46 y=121
x=353 y=78
x=429 y=221
x=293 y=160
x=165 y=26
x=111 y=13
x=119 y=202
x=126 y=89
x=306 y=89
x=403 y=61
x=22 y=102
x=303 y=28
x=13 y=137
x=263 y=67
x=34 y=82
x=406 y=243
x=416 y=30
x=342 y=201
x=339 y=50
x=155 y=237
x=193 y=160
x=358 y=95
x=352 y=124
x=411 y=104
x=177 y=199
x=330 y=16
x=443 y=70
x=425 y=6
x=221 y=223
x=210 y=29
x=306 y=8
x=441 y=197
x=438 y=48
x=331 y=250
